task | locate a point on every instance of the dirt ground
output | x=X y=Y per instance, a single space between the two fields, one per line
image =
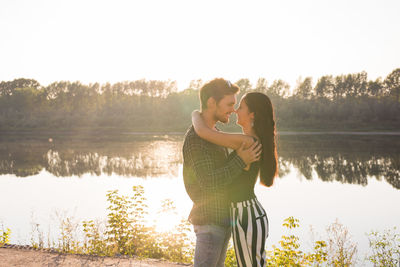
x=34 y=258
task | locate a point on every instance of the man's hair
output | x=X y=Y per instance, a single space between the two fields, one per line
x=216 y=89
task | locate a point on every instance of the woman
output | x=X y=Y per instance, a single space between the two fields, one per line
x=249 y=220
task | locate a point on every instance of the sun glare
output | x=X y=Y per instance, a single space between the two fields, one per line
x=167 y=222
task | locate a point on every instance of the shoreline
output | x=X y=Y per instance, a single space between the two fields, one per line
x=102 y=132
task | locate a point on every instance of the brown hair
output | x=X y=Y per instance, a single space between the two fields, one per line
x=264 y=128
x=216 y=89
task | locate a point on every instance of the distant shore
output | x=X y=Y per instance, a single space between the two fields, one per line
x=127 y=132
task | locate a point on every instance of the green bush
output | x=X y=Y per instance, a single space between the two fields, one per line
x=4 y=235
x=126 y=232
x=94 y=239
x=230 y=260
x=289 y=253
x=341 y=250
x=385 y=248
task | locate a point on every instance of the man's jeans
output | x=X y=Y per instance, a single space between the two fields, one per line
x=211 y=245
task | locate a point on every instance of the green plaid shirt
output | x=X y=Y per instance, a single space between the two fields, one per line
x=207 y=174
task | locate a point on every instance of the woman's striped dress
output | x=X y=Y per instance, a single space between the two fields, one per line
x=249 y=220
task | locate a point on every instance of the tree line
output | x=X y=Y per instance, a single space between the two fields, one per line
x=347 y=101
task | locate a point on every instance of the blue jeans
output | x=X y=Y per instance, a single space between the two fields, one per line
x=211 y=245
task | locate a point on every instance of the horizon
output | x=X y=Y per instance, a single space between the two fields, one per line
x=187 y=84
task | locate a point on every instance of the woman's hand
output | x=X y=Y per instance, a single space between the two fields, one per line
x=251 y=154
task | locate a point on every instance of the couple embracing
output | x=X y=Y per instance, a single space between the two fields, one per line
x=221 y=184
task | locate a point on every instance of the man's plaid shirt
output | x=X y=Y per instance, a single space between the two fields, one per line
x=207 y=174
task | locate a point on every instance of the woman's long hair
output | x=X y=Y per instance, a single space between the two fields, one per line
x=264 y=127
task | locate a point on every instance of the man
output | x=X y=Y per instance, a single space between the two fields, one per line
x=208 y=172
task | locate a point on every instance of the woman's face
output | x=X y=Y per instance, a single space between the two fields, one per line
x=244 y=116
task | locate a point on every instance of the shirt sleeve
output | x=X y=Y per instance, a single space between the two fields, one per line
x=210 y=177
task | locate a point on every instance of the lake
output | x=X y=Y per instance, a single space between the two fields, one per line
x=352 y=178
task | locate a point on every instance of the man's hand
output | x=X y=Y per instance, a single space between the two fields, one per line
x=251 y=154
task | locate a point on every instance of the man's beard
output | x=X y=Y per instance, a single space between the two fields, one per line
x=221 y=118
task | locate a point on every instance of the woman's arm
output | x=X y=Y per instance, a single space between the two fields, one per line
x=230 y=140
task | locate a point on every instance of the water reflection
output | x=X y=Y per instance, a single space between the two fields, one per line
x=347 y=169
x=154 y=159
x=347 y=159
x=141 y=157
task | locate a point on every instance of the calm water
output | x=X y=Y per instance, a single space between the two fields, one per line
x=352 y=178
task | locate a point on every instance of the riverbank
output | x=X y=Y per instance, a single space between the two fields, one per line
x=27 y=256
x=85 y=132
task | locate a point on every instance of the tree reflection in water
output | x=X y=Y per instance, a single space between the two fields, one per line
x=344 y=158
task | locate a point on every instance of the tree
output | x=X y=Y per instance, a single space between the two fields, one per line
x=392 y=84
x=244 y=85
x=324 y=87
x=196 y=84
x=356 y=84
x=6 y=88
x=339 y=88
x=262 y=85
x=55 y=89
x=375 y=88
x=304 y=88
x=279 y=88
x=24 y=100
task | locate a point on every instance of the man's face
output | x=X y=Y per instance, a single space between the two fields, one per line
x=225 y=107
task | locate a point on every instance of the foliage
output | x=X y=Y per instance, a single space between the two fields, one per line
x=392 y=84
x=36 y=231
x=127 y=232
x=334 y=102
x=230 y=260
x=385 y=248
x=68 y=240
x=4 y=235
x=125 y=222
x=341 y=250
x=94 y=238
x=177 y=242
x=289 y=253
x=177 y=245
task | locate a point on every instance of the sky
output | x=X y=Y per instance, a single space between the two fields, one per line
x=111 y=41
